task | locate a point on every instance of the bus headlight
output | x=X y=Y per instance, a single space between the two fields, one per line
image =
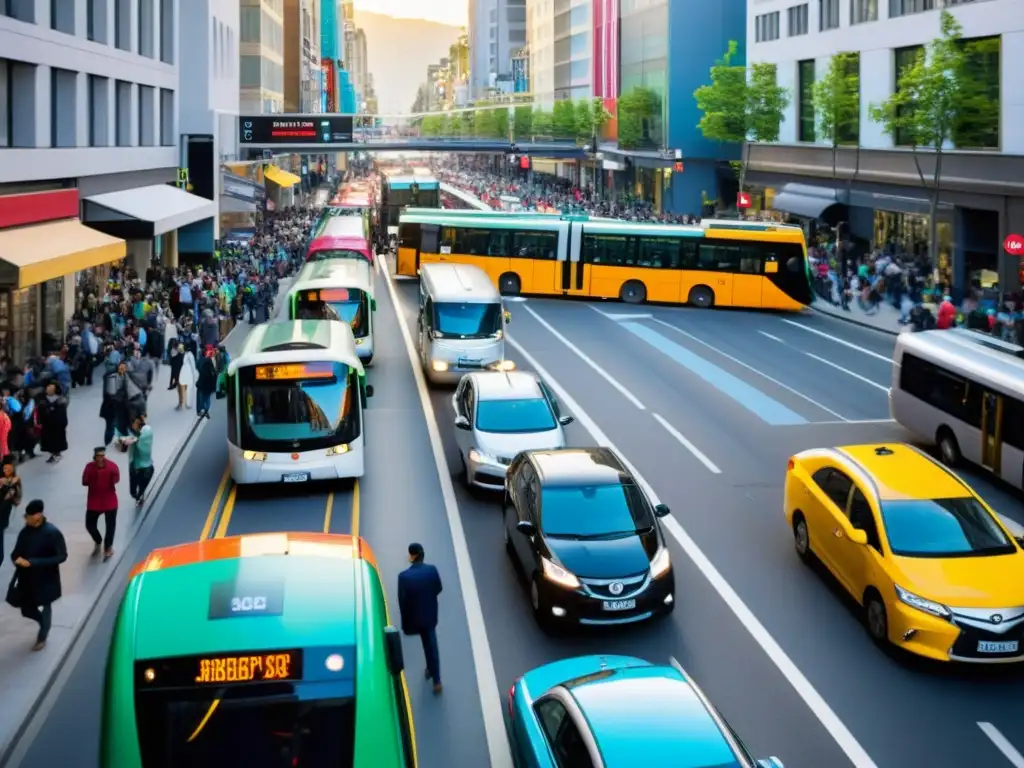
x=254 y=456
x=360 y=342
x=439 y=365
x=338 y=450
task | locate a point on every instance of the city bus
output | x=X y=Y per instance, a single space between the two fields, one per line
x=274 y=649
x=340 y=290
x=963 y=391
x=400 y=191
x=343 y=236
x=296 y=395
x=718 y=263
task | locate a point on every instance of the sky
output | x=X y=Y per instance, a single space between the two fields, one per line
x=452 y=12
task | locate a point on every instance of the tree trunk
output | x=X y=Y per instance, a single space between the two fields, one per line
x=933 y=223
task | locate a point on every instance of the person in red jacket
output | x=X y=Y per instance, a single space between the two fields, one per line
x=947 y=314
x=101 y=478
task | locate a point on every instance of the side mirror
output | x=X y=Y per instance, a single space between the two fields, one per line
x=566 y=420
x=393 y=643
x=461 y=422
x=526 y=528
x=661 y=510
x=369 y=390
x=857 y=536
x=508 y=317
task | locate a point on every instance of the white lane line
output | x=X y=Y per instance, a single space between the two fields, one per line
x=1003 y=744
x=752 y=369
x=697 y=453
x=848 y=372
x=773 y=338
x=803 y=687
x=619 y=316
x=845 y=343
x=486 y=678
x=844 y=422
x=582 y=356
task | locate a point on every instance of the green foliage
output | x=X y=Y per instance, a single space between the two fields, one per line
x=522 y=125
x=542 y=123
x=501 y=123
x=485 y=127
x=563 y=120
x=837 y=100
x=430 y=125
x=601 y=115
x=766 y=101
x=723 y=101
x=636 y=109
x=584 y=121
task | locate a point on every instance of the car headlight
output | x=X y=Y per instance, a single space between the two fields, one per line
x=558 y=575
x=338 y=450
x=479 y=457
x=923 y=604
x=254 y=456
x=360 y=342
x=439 y=365
x=661 y=563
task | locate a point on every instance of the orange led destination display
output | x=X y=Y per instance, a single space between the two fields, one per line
x=220 y=669
x=294 y=371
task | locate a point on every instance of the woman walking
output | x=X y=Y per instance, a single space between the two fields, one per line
x=53 y=418
x=187 y=377
x=10 y=497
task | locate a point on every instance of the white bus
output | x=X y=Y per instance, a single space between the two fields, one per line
x=340 y=290
x=296 y=396
x=964 y=392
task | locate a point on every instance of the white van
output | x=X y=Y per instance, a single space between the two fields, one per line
x=461 y=322
x=338 y=289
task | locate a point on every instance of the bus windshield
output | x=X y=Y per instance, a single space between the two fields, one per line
x=229 y=728
x=355 y=311
x=284 y=414
x=467 y=321
x=336 y=253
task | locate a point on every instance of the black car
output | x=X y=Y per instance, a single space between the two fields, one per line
x=587 y=538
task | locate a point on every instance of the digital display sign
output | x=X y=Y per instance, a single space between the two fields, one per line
x=336 y=294
x=221 y=669
x=242 y=599
x=294 y=371
x=290 y=130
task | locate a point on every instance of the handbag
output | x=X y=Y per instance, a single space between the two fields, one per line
x=14 y=592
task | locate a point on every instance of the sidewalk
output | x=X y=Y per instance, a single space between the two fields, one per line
x=24 y=674
x=886 y=318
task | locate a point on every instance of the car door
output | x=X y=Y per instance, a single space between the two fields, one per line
x=527 y=493
x=856 y=563
x=461 y=400
x=556 y=407
x=830 y=490
x=562 y=734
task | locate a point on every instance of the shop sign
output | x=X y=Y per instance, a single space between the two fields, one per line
x=1014 y=245
x=742 y=200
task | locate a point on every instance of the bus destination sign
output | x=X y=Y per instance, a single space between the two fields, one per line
x=291 y=130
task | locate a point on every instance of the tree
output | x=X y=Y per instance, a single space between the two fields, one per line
x=563 y=119
x=741 y=105
x=636 y=109
x=431 y=125
x=836 y=98
x=601 y=115
x=522 y=126
x=542 y=124
x=926 y=108
x=444 y=125
x=467 y=124
x=501 y=123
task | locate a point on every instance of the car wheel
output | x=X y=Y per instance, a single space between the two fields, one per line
x=508 y=539
x=509 y=284
x=875 y=618
x=701 y=296
x=801 y=537
x=949 y=448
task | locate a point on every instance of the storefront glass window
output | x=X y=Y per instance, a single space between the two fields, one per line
x=53 y=314
x=5 y=324
x=905 y=235
x=24 y=308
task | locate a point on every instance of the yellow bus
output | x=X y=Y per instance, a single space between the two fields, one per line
x=719 y=263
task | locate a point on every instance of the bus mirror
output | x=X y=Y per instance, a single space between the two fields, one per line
x=369 y=390
x=396 y=662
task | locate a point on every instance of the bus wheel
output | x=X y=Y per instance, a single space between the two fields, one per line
x=702 y=296
x=509 y=284
x=949 y=449
x=633 y=292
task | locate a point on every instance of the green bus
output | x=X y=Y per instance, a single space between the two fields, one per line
x=269 y=650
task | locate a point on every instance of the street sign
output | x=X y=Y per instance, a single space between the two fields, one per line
x=289 y=130
x=182 y=178
x=742 y=199
x=1014 y=245
x=678 y=166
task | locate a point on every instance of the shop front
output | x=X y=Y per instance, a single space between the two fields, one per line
x=280 y=186
x=240 y=200
x=44 y=251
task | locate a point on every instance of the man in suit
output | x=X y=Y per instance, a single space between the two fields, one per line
x=418 y=588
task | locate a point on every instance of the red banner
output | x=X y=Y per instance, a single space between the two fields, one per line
x=36 y=207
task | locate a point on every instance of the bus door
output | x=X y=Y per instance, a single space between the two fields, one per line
x=408 y=260
x=575 y=275
x=748 y=281
x=992 y=432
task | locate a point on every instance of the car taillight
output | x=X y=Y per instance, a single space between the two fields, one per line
x=790 y=465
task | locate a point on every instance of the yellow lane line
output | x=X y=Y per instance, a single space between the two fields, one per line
x=355 y=509
x=327 y=515
x=225 y=517
x=211 y=516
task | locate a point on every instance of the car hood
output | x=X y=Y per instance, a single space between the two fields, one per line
x=508 y=445
x=965 y=582
x=611 y=559
x=483 y=350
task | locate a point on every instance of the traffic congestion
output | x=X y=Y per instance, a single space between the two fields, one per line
x=680 y=519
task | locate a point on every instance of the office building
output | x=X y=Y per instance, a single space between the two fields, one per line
x=540 y=15
x=573 y=49
x=261 y=73
x=358 y=67
x=497 y=28
x=876 y=188
x=89 y=142
x=302 y=78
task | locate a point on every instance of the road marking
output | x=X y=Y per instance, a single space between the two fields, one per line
x=773 y=338
x=618 y=317
x=697 y=453
x=355 y=509
x=752 y=369
x=328 y=513
x=582 y=356
x=483 y=663
x=849 y=421
x=845 y=343
x=225 y=517
x=211 y=516
x=1003 y=744
x=804 y=688
x=848 y=372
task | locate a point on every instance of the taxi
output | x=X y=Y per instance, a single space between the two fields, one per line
x=937 y=571
x=604 y=711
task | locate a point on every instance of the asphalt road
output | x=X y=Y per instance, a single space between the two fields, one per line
x=708 y=405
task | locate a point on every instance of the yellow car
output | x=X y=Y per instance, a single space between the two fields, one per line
x=937 y=572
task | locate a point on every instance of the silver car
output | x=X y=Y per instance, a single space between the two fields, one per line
x=499 y=414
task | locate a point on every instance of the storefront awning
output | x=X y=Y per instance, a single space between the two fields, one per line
x=32 y=255
x=280 y=177
x=805 y=201
x=146 y=212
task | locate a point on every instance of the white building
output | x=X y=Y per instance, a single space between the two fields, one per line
x=89 y=91
x=496 y=29
x=540 y=34
x=876 y=187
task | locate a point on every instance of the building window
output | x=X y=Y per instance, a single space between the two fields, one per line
x=6 y=103
x=96 y=21
x=805 y=92
x=63 y=108
x=99 y=108
x=828 y=14
x=62 y=16
x=146 y=47
x=862 y=11
x=977 y=125
x=167 y=137
x=123 y=113
x=849 y=134
x=249 y=25
x=123 y=24
x=20 y=10
x=167 y=31
x=147 y=116
x=766 y=27
x=249 y=71
x=18 y=107
x=903 y=59
x=797 y=20
x=272 y=33
x=908 y=7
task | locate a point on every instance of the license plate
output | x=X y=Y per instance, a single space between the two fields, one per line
x=619 y=605
x=986 y=646
x=466 y=362
x=296 y=477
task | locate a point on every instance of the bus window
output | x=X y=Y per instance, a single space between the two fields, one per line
x=408 y=235
x=941 y=389
x=1013 y=422
x=658 y=252
x=719 y=258
x=609 y=250
x=429 y=242
x=355 y=311
x=535 y=245
x=231 y=383
x=472 y=242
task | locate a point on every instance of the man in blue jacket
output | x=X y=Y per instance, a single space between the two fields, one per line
x=418 y=588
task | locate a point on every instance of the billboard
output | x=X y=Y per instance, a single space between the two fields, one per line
x=292 y=130
x=521 y=72
x=330 y=84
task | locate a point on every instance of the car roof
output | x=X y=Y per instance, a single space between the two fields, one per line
x=901 y=471
x=509 y=385
x=579 y=466
x=654 y=712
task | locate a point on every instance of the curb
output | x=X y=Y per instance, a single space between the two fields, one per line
x=853 y=321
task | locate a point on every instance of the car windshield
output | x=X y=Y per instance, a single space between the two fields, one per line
x=594 y=511
x=467 y=321
x=515 y=416
x=337 y=253
x=354 y=311
x=943 y=528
